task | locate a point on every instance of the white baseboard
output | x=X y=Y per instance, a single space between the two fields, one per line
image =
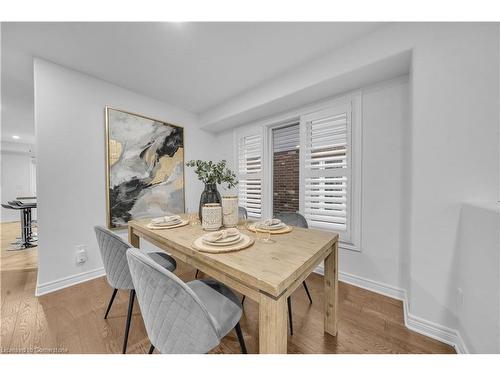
x=436 y=331
x=430 y=329
x=460 y=345
x=374 y=286
x=65 y=282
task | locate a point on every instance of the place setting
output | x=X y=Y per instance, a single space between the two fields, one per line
x=273 y=226
x=223 y=241
x=167 y=222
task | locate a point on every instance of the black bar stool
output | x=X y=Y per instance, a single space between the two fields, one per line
x=27 y=240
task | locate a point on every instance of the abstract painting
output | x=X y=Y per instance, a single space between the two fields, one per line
x=145 y=167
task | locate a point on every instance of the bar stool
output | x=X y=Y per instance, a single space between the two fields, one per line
x=25 y=213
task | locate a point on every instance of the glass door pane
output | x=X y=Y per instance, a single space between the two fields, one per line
x=286 y=143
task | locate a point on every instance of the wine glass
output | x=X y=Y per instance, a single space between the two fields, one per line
x=193 y=218
x=242 y=223
x=265 y=230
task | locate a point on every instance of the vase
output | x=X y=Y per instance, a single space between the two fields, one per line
x=230 y=211
x=209 y=195
x=212 y=216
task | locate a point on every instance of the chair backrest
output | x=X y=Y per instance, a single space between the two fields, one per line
x=175 y=318
x=113 y=252
x=292 y=218
x=242 y=212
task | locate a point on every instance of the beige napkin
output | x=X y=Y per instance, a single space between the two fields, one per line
x=221 y=234
x=165 y=219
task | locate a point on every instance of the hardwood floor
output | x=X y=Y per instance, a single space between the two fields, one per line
x=71 y=320
x=15 y=260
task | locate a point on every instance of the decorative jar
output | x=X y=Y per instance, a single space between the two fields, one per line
x=211 y=216
x=230 y=211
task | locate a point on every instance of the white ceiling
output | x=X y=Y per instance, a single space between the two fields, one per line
x=195 y=66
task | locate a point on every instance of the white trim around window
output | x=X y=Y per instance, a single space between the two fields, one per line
x=350 y=238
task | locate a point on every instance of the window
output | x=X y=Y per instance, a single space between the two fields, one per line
x=326 y=169
x=285 y=173
x=250 y=174
x=311 y=154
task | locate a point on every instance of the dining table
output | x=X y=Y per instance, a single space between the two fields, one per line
x=267 y=273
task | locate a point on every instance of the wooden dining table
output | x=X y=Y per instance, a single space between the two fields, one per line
x=267 y=273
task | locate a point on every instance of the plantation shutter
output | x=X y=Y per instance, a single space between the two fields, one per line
x=250 y=174
x=286 y=138
x=326 y=168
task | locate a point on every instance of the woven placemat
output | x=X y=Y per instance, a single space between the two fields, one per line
x=199 y=245
x=181 y=224
x=284 y=230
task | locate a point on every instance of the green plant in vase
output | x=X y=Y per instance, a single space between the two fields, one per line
x=212 y=174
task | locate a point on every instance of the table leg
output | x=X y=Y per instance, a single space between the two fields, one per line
x=272 y=325
x=331 y=291
x=133 y=238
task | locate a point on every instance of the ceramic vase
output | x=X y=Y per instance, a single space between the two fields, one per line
x=209 y=195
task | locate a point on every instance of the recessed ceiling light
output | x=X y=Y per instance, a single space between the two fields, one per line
x=16 y=137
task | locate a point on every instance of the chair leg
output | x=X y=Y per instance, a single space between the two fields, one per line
x=243 y=300
x=237 y=328
x=289 y=302
x=129 y=318
x=307 y=291
x=151 y=349
x=110 y=303
x=196 y=275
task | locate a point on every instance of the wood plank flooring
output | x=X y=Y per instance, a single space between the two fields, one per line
x=71 y=320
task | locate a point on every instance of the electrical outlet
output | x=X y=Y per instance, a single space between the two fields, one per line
x=81 y=254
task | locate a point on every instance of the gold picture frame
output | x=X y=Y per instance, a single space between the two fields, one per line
x=150 y=180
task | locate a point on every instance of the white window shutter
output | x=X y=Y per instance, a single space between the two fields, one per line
x=250 y=174
x=286 y=138
x=326 y=169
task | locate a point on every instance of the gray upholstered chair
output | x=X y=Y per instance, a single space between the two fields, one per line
x=113 y=252
x=182 y=317
x=242 y=214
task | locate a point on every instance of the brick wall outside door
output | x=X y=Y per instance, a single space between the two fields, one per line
x=286 y=181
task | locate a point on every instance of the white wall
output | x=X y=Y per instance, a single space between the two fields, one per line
x=225 y=151
x=454 y=153
x=477 y=274
x=69 y=121
x=15 y=180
